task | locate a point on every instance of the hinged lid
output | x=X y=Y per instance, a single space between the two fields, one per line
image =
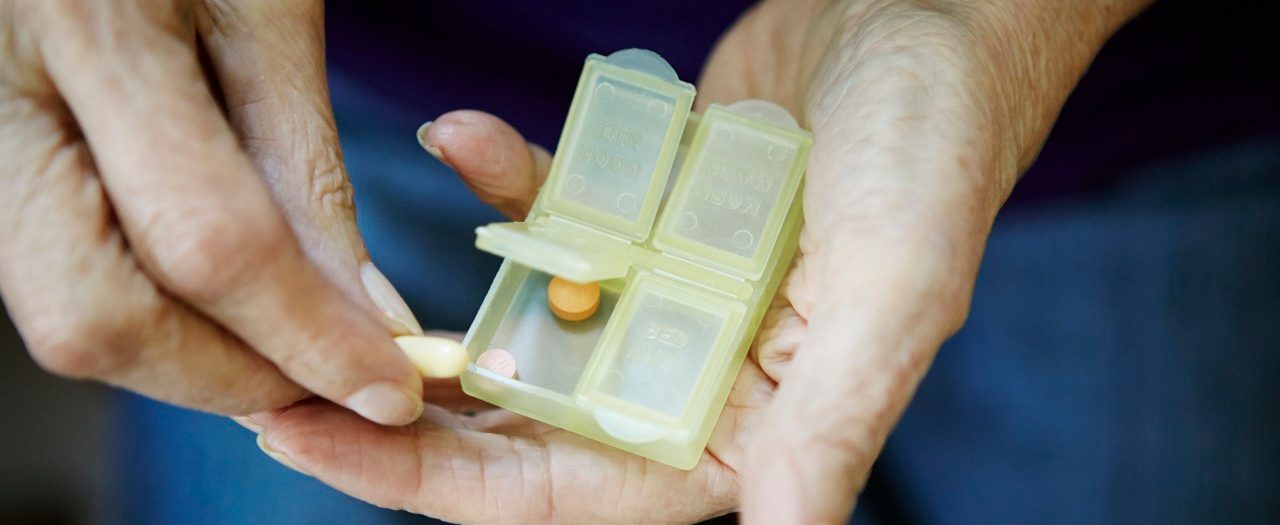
x=619 y=143
x=553 y=248
x=735 y=187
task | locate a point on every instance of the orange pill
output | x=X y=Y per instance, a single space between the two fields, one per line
x=572 y=301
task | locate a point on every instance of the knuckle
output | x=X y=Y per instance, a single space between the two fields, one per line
x=205 y=254
x=114 y=23
x=83 y=345
x=252 y=20
x=309 y=10
x=331 y=189
x=20 y=69
x=297 y=365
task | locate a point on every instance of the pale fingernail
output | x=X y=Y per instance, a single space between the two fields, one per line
x=434 y=357
x=248 y=422
x=426 y=145
x=500 y=361
x=388 y=300
x=385 y=404
x=280 y=457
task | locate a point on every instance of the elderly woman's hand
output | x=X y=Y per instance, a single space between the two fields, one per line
x=924 y=114
x=175 y=217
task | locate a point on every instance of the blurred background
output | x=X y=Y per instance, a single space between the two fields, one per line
x=1120 y=362
x=54 y=449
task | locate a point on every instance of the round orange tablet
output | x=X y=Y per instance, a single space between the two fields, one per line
x=572 y=301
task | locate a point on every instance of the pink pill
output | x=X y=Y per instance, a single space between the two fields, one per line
x=498 y=361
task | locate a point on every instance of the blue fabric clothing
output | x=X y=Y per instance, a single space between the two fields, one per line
x=1119 y=364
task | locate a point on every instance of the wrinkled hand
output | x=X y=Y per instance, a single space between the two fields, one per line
x=923 y=118
x=183 y=227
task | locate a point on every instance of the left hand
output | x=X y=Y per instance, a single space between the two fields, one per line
x=923 y=120
x=497 y=466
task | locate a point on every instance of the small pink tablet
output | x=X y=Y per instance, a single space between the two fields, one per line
x=499 y=361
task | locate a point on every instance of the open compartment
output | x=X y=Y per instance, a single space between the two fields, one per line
x=551 y=353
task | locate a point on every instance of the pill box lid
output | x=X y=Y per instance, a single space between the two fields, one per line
x=620 y=139
x=736 y=185
x=556 y=247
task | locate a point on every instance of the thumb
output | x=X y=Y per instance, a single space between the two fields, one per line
x=491 y=158
x=875 y=326
x=269 y=60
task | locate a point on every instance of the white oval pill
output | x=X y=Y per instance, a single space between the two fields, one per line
x=434 y=357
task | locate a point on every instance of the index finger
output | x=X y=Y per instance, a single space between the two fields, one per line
x=198 y=215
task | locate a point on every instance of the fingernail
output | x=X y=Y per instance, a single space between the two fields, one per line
x=385 y=404
x=280 y=457
x=388 y=300
x=422 y=139
x=435 y=357
x=249 y=423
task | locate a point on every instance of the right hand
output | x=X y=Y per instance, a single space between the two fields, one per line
x=184 y=228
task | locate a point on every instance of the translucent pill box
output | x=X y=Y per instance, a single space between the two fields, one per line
x=686 y=222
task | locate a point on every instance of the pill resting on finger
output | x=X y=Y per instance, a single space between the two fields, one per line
x=572 y=301
x=434 y=357
x=499 y=361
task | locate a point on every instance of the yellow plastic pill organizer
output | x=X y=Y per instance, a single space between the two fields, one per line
x=686 y=270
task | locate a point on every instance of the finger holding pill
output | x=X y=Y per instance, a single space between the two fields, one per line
x=434 y=357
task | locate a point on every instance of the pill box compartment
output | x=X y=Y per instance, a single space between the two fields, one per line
x=639 y=374
x=551 y=353
x=687 y=254
x=568 y=371
x=653 y=367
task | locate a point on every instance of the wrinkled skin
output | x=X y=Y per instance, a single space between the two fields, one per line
x=923 y=113
x=194 y=244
